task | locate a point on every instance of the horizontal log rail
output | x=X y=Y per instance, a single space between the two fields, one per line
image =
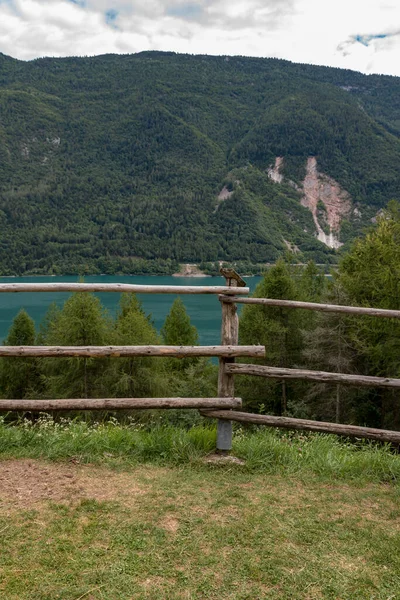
x=119 y=404
x=323 y=376
x=120 y=287
x=335 y=308
x=162 y=351
x=303 y=424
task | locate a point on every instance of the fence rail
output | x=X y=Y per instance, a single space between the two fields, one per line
x=323 y=376
x=120 y=287
x=119 y=404
x=335 y=308
x=125 y=351
x=382 y=435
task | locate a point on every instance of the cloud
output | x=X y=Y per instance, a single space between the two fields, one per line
x=265 y=15
x=368 y=40
x=190 y=12
x=376 y=50
x=357 y=34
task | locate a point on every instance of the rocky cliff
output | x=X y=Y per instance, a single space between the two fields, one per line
x=328 y=202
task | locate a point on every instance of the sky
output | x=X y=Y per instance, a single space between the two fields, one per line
x=362 y=35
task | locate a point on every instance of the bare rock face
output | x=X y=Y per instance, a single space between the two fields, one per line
x=323 y=196
x=274 y=172
x=225 y=194
x=291 y=246
x=190 y=270
x=327 y=201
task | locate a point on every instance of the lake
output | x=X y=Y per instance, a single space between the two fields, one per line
x=204 y=310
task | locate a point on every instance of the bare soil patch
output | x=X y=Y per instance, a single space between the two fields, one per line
x=189 y=270
x=27 y=483
x=170 y=523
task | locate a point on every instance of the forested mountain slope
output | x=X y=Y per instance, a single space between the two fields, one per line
x=111 y=161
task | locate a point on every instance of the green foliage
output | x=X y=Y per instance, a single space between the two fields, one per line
x=135 y=377
x=81 y=322
x=114 y=164
x=177 y=329
x=188 y=377
x=283 y=332
x=370 y=276
x=371 y=271
x=19 y=377
x=22 y=331
x=279 y=330
x=328 y=347
x=312 y=283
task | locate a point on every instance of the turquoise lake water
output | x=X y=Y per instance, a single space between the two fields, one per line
x=204 y=310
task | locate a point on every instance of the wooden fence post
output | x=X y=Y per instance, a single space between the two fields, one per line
x=229 y=335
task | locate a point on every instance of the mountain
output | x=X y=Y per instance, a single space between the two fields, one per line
x=135 y=162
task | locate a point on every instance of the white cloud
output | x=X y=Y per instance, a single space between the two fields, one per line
x=341 y=33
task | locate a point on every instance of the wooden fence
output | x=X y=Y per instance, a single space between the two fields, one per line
x=226 y=352
x=322 y=376
x=224 y=406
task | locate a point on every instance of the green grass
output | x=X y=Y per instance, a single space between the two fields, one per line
x=202 y=533
x=111 y=512
x=264 y=450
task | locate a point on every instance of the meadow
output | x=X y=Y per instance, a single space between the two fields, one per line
x=110 y=511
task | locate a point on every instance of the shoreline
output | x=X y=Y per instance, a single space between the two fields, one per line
x=192 y=276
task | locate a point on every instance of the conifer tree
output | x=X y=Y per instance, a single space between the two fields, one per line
x=178 y=331
x=135 y=377
x=311 y=283
x=329 y=347
x=19 y=376
x=81 y=322
x=188 y=377
x=47 y=323
x=370 y=276
x=280 y=331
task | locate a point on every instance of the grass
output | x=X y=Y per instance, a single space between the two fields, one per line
x=264 y=450
x=110 y=512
